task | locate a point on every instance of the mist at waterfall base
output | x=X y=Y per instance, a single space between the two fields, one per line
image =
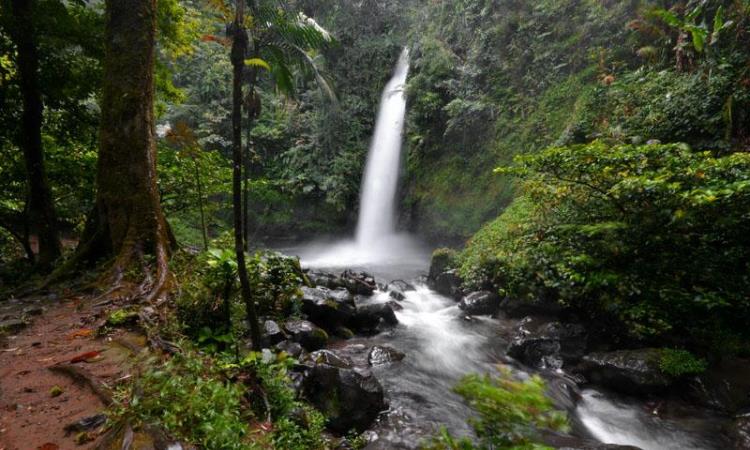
x=376 y=240
x=441 y=346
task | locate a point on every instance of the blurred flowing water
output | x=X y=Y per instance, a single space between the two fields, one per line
x=440 y=343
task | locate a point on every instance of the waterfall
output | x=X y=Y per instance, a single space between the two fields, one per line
x=377 y=201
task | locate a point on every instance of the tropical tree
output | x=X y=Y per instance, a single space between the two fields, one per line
x=272 y=40
x=127 y=224
x=39 y=205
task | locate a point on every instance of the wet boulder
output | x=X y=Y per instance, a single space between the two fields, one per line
x=448 y=284
x=327 y=308
x=381 y=355
x=373 y=318
x=397 y=289
x=305 y=333
x=548 y=345
x=272 y=333
x=739 y=432
x=519 y=308
x=630 y=371
x=724 y=387
x=325 y=279
x=351 y=399
x=443 y=260
x=568 y=442
x=482 y=303
x=293 y=349
x=359 y=283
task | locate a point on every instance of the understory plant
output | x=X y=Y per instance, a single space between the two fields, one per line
x=216 y=402
x=510 y=414
x=650 y=239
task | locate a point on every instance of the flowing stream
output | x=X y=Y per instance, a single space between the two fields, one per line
x=441 y=345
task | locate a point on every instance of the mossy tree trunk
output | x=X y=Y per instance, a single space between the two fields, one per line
x=40 y=207
x=239 y=50
x=128 y=223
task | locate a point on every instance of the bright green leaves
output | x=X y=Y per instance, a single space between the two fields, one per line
x=510 y=414
x=257 y=62
x=654 y=236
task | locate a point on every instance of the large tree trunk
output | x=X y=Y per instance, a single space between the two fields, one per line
x=41 y=210
x=239 y=50
x=128 y=223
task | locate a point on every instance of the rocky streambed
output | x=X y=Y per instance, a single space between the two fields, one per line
x=381 y=355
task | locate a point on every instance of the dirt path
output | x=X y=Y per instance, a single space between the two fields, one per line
x=37 y=403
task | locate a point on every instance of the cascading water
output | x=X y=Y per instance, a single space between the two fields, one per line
x=376 y=240
x=376 y=217
x=440 y=345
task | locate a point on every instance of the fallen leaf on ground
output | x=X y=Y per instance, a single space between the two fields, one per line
x=49 y=446
x=86 y=357
x=84 y=332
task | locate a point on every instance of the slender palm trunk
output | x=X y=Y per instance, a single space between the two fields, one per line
x=41 y=211
x=239 y=49
x=199 y=186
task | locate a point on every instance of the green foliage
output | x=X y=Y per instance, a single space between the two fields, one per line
x=678 y=363
x=191 y=400
x=510 y=414
x=212 y=278
x=297 y=426
x=652 y=237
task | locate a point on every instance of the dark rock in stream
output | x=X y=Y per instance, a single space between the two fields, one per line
x=516 y=308
x=372 y=318
x=398 y=289
x=325 y=279
x=350 y=398
x=567 y=442
x=306 y=334
x=448 y=284
x=359 y=283
x=482 y=303
x=548 y=345
x=381 y=355
x=724 y=387
x=740 y=432
x=328 y=308
x=629 y=371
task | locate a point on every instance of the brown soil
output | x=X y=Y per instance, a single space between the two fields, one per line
x=31 y=415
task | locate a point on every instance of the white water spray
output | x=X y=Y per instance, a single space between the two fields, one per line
x=376 y=239
x=377 y=216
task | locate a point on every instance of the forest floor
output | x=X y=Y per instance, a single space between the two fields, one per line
x=37 y=403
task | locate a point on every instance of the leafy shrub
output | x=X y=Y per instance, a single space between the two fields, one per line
x=653 y=237
x=190 y=399
x=679 y=363
x=212 y=278
x=296 y=425
x=510 y=414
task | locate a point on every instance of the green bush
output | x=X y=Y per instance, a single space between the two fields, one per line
x=211 y=278
x=191 y=400
x=653 y=237
x=678 y=363
x=510 y=414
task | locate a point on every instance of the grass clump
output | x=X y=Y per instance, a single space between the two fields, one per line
x=679 y=363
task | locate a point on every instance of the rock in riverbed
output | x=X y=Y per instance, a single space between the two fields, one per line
x=548 y=345
x=373 y=318
x=629 y=371
x=350 y=398
x=306 y=334
x=483 y=303
x=328 y=308
x=381 y=355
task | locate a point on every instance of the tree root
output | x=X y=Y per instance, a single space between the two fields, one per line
x=83 y=376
